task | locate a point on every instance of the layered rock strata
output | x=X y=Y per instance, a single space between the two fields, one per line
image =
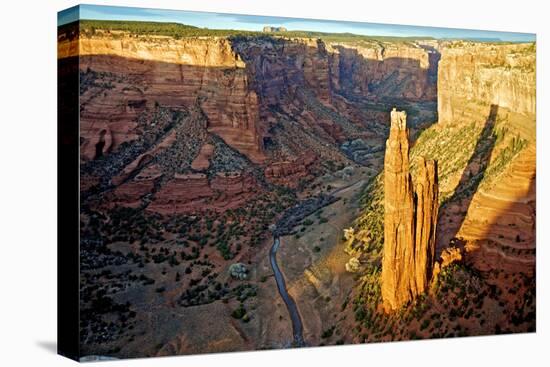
x=236 y=81
x=279 y=67
x=500 y=225
x=173 y=73
x=289 y=173
x=473 y=74
x=426 y=209
x=185 y=193
x=410 y=219
x=380 y=70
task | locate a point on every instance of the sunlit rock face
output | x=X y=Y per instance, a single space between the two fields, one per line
x=426 y=193
x=173 y=73
x=235 y=82
x=477 y=73
x=493 y=85
x=410 y=216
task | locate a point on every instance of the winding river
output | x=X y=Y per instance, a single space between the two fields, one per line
x=297 y=329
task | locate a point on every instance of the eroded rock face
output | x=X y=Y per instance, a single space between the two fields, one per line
x=235 y=83
x=426 y=218
x=240 y=89
x=493 y=83
x=500 y=225
x=129 y=193
x=410 y=217
x=185 y=193
x=388 y=70
x=280 y=67
x=289 y=173
x=502 y=75
x=173 y=73
x=398 y=271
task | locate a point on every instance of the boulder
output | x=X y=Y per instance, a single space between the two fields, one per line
x=352 y=266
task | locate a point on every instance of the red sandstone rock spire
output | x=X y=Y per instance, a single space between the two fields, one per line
x=397 y=265
x=427 y=205
x=409 y=220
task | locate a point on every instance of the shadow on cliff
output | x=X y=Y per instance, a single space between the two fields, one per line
x=281 y=74
x=346 y=86
x=393 y=82
x=397 y=78
x=337 y=92
x=132 y=107
x=471 y=178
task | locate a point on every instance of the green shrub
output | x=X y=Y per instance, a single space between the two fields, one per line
x=307 y=222
x=239 y=312
x=328 y=332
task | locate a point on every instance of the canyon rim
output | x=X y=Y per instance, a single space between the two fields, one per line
x=247 y=189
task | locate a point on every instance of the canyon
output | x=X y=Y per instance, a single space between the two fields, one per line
x=239 y=90
x=236 y=81
x=192 y=149
x=484 y=142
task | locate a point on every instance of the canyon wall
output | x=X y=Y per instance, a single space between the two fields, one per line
x=494 y=84
x=186 y=193
x=173 y=73
x=289 y=173
x=236 y=81
x=374 y=70
x=278 y=68
x=410 y=217
x=377 y=70
x=474 y=74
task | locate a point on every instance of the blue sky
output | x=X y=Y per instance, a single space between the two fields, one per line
x=256 y=23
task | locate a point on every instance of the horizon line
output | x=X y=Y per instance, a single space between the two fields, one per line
x=255 y=23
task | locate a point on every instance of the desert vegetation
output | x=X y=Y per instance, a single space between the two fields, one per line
x=190 y=171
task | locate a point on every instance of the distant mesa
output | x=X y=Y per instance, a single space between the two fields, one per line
x=270 y=29
x=410 y=217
